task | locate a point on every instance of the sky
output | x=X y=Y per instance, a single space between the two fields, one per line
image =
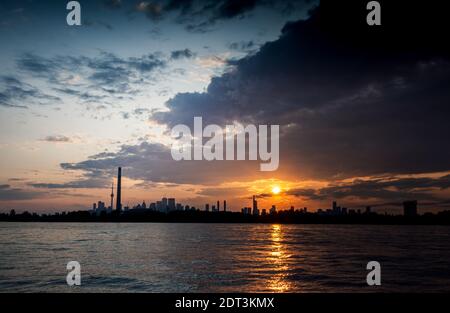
x=363 y=118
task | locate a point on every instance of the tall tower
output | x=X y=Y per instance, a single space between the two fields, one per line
x=112 y=195
x=119 y=190
x=218 y=206
x=255 y=203
x=224 y=205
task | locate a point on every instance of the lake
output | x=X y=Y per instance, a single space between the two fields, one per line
x=152 y=257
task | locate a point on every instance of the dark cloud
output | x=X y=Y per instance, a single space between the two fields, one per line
x=180 y=54
x=243 y=46
x=184 y=6
x=7 y=193
x=15 y=93
x=38 y=65
x=346 y=107
x=394 y=190
x=232 y=8
x=200 y=15
x=153 y=162
x=106 y=74
x=82 y=95
x=85 y=183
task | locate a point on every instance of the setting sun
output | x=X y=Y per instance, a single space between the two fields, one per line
x=276 y=190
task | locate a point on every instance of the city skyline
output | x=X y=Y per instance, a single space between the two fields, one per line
x=362 y=122
x=169 y=204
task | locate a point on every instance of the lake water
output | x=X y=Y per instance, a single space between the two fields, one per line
x=222 y=257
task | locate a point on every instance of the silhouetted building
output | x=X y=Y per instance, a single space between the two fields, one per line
x=165 y=204
x=410 y=208
x=100 y=205
x=112 y=195
x=171 y=204
x=207 y=207
x=273 y=209
x=224 y=205
x=255 y=204
x=119 y=190
x=218 y=206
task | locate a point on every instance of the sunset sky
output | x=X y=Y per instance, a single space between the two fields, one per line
x=358 y=125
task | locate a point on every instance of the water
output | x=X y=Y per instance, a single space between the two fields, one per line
x=222 y=257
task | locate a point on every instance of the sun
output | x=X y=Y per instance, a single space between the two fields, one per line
x=276 y=190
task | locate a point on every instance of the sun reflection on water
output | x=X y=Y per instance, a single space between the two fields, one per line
x=278 y=257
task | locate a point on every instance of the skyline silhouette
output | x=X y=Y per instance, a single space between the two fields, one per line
x=362 y=115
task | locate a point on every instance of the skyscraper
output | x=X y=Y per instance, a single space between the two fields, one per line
x=171 y=204
x=119 y=190
x=224 y=205
x=255 y=203
x=165 y=204
x=112 y=195
x=218 y=205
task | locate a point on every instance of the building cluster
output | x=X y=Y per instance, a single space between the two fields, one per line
x=254 y=210
x=166 y=205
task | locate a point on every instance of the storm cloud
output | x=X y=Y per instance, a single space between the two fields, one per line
x=346 y=107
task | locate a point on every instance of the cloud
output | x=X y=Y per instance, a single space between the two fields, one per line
x=180 y=54
x=57 y=138
x=243 y=46
x=15 y=92
x=152 y=10
x=200 y=15
x=125 y=115
x=94 y=78
x=153 y=162
x=393 y=189
x=347 y=106
x=7 y=193
x=79 y=184
x=232 y=8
